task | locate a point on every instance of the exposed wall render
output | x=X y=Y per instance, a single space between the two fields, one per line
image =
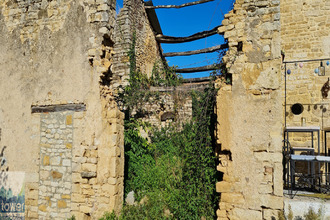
x=55 y=54
x=250 y=114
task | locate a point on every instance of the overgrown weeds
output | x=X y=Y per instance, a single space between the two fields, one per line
x=172 y=172
x=176 y=169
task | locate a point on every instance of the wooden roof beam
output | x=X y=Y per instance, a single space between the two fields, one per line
x=179 y=6
x=198 y=69
x=193 y=52
x=173 y=40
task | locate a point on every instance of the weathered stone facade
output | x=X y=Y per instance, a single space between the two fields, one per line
x=306 y=36
x=250 y=113
x=55 y=55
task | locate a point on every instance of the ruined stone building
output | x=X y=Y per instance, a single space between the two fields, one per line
x=255 y=109
x=62 y=63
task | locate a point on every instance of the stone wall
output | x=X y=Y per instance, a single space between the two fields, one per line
x=55 y=174
x=250 y=114
x=306 y=36
x=167 y=105
x=133 y=20
x=56 y=55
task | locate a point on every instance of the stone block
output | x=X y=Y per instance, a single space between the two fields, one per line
x=88 y=192
x=103 y=199
x=88 y=167
x=92 y=181
x=92 y=160
x=115 y=202
x=247 y=214
x=265 y=188
x=42 y=208
x=79 y=198
x=233 y=198
x=61 y=204
x=269 y=157
x=90 y=153
x=55 y=161
x=56 y=175
x=110 y=189
x=68 y=145
x=76 y=167
x=31 y=186
x=113 y=140
x=32 y=215
x=76 y=188
x=45 y=160
x=76 y=178
x=68 y=120
x=112 y=181
x=224 y=187
x=221 y=213
x=66 y=196
x=75 y=207
x=31 y=194
x=66 y=162
x=79 y=160
x=278 y=179
x=44 y=175
x=114 y=167
x=85 y=209
x=271 y=201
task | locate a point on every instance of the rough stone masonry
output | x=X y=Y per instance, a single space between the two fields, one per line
x=250 y=113
x=62 y=62
x=54 y=57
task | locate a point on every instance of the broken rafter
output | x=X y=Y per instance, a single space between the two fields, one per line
x=179 y=6
x=188 y=53
x=172 y=40
x=198 y=69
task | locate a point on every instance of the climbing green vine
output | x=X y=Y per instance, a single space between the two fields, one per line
x=138 y=92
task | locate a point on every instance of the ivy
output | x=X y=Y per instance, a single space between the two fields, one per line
x=138 y=91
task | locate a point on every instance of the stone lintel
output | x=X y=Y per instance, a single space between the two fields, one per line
x=76 y=107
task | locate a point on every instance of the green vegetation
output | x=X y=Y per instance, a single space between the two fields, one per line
x=173 y=174
x=137 y=93
x=173 y=171
x=72 y=218
x=176 y=170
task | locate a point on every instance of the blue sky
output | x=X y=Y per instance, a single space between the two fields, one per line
x=187 y=21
